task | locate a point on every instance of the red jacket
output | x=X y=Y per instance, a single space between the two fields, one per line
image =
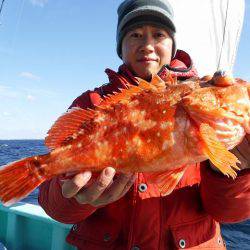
x=187 y=218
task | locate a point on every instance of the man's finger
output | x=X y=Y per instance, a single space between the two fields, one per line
x=122 y=182
x=71 y=187
x=248 y=138
x=129 y=184
x=90 y=194
x=244 y=148
x=243 y=152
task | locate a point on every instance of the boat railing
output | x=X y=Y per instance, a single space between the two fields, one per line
x=26 y=226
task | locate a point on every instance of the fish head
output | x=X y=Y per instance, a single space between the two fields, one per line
x=226 y=109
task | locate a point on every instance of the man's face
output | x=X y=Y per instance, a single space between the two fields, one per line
x=146 y=49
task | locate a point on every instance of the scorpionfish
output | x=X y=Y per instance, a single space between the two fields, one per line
x=157 y=128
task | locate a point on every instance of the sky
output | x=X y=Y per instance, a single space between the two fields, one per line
x=52 y=51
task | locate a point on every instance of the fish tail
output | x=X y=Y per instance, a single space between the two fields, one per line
x=20 y=178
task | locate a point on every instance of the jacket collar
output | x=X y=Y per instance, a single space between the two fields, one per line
x=181 y=67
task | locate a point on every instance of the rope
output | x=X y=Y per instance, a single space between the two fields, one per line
x=224 y=34
x=1 y=8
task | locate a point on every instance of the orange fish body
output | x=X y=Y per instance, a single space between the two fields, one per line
x=157 y=128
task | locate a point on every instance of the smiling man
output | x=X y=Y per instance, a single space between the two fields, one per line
x=146 y=49
x=145 y=37
x=122 y=211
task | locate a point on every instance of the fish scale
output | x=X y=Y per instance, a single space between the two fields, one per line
x=157 y=128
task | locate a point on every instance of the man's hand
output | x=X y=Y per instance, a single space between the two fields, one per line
x=102 y=191
x=242 y=151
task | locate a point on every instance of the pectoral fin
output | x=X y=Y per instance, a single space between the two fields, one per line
x=217 y=153
x=166 y=181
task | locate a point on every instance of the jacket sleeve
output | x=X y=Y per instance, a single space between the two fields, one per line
x=227 y=200
x=59 y=208
x=50 y=193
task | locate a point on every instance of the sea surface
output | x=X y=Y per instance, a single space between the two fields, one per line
x=236 y=236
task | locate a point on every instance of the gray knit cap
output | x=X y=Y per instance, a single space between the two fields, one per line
x=134 y=13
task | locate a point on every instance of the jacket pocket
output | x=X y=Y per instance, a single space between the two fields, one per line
x=200 y=234
x=89 y=237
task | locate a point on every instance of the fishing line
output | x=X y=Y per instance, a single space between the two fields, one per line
x=10 y=49
x=17 y=23
x=224 y=34
x=1 y=7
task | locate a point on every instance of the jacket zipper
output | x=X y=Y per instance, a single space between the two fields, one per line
x=131 y=227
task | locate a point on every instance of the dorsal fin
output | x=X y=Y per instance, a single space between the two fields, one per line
x=67 y=125
x=156 y=84
x=168 y=78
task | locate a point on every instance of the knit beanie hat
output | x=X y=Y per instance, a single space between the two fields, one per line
x=134 y=13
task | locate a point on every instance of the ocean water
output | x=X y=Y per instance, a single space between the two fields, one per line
x=12 y=150
x=236 y=236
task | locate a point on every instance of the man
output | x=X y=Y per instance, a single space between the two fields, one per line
x=123 y=211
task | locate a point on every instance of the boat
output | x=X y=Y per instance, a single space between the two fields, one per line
x=25 y=226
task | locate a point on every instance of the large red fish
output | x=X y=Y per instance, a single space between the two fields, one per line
x=157 y=128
